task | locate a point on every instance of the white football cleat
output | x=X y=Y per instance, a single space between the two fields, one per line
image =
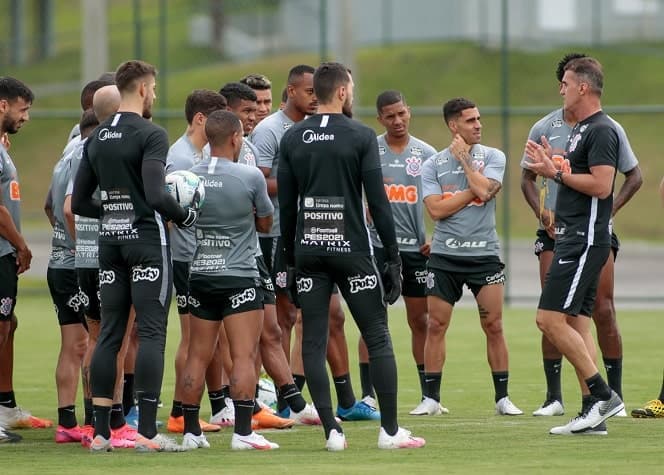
x=429 y=407
x=252 y=441
x=192 y=442
x=336 y=442
x=550 y=408
x=401 y=440
x=307 y=416
x=505 y=407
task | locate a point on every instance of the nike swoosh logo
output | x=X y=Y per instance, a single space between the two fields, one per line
x=554 y=137
x=443 y=174
x=149 y=400
x=561 y=262
x=343 y=381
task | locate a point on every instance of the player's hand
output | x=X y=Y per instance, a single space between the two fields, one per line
x=23 y=259
x=392 y=279
x=540 y=162
x=291 y=285
x=459 y=147
x=191 y=218
x=425 y=249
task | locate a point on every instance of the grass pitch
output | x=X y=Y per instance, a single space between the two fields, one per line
x=471 y=439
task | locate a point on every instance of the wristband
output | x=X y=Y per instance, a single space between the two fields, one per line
x=558 y=177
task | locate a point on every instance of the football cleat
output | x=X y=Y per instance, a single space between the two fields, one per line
x=192 y=442
x=7 y=437
x=359 y=411
x=551 y=407
x=505 y=407
x=650 y=410
x=598 y=413
x=403 y=439
x=252 y=441
x=176 y=425
x=429 y=407
x=265 y=419
x=18 y=418
x=224 y=418
x=65 y=435
x=336 y=442
x=100 y=444
x=567 y=429
x=159 y=443
x=370 y=401
x=307 y=416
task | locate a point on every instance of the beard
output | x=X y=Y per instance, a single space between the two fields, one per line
x=10 y=126
x=347 y=109
x=147 y=109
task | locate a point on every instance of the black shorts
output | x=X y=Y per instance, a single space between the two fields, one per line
x=448 y=274
x=213 y=298
x=8 y=286
x=413 y=271
x=571 y=283
x=181 y=284
x=88 y=283
x=267 y=285
x=544 y=243
x=66 y=296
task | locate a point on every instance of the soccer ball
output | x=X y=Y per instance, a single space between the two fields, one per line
x=183 y=185
x=267 y=393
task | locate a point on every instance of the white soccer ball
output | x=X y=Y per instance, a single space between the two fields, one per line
x=267 y=392
x=182 y=185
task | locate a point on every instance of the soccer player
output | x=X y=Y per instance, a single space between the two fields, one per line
x=87 y=95
x=15 y=255
x=557 y=126
x=186 y=152
x=262 y=86
x=583 y=238
x=242 y=102
x=125 y=157
x=459 y=187
x=67 y=297
x=326 y=161
x=402 y=157
x=224 y=283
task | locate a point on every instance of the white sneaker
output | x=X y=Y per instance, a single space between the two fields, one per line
x=369 y=401
x=622 y=413
x=192 y=442
x=336 y=442
x=429 y=407
x=307 y=416
x=505 y=407
x=159 y=443
x=550 y=408
x=598 y=413
x=567 y=429
x=252 y=441
x=225 y=417
x=401 y=440
x=8 y=437
x=14 y=418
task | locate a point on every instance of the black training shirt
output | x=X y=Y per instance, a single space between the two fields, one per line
x=325 y=161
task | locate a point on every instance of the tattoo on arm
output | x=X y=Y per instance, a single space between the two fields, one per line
x=494 y=188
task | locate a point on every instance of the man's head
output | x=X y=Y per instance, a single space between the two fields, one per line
x=88 y=123
x=262 y=86
x=393 y=113
x=333 y=83
x=89 y=90
x=224 y=133
x=583 y=80
x=200 y=104
x=560 y=69
x=462 y=117
x=105 y=102
x=242 y=102
x=15 y=102
x=138 y=78
x=300 y=88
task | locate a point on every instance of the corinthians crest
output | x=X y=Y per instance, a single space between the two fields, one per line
x=414 y=166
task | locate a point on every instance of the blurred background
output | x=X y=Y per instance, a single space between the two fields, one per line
x=500 y=53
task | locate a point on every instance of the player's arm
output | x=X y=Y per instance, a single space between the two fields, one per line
x=48 y=207
x=85 y=183
x=632 y=183
x=262 y=205
x=266 y=144
x=10 y=233
x=441 y=207
x=288 y=193
x=70 y=218
x=483 y=187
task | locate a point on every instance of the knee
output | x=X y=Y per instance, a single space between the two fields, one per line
x=436 y=327
x=544 y=324
x=418 y=321
x=604 y=313
x=493 y=327
x=271 y=334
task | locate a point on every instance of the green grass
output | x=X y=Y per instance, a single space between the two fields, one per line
x=471 y=439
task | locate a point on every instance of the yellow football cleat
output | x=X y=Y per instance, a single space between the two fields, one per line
x=651 y=409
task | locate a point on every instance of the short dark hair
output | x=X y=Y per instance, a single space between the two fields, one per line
x=454 y=107
x=327 y=78
x=387 y=98
x=589 y=70
x=298 y=71
x=128 y=73
x=257 y=81
x=88 y=91
x=11 y=89
x=284 y=95
x=220 y=125
x=234 y=92
x=560 y=70
x=88 y=122
x=203 y=101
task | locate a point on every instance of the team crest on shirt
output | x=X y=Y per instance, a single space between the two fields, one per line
x=478 y=165
x=286 y=125
x=250 y=159
x=414 y=166
x=583 y=128
x=574 y=142
x=281 y=280
x=381 y=150
x=557 y=123
x=429 y=280
x=6 y=306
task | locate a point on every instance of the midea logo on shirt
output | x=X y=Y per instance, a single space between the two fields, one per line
x=105 y=134
x=309 y=136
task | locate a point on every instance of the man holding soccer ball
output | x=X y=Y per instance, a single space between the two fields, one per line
x=125 y=157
